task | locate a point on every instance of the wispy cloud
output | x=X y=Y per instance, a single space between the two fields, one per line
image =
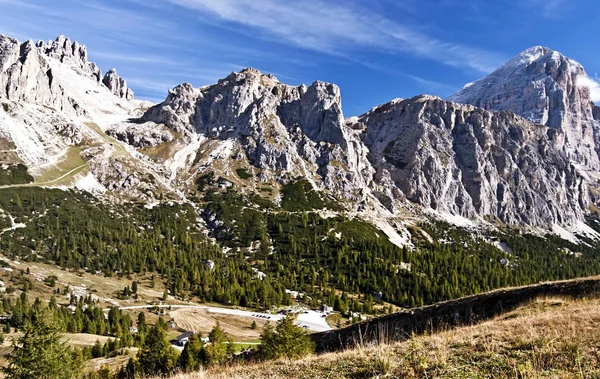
x=592 y=85
x=333 y=28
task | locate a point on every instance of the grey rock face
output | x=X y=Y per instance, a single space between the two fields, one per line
x=245 y=101
x=147 y=135
x=9 y=52
x=452 y=158
x=27 y=77
x=283 y=129
x=71 y=53
x=468 y=161
x=178 y=110
x=117 y=85
x=545 y=87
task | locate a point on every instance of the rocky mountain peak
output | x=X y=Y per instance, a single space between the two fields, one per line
x=117 y=85
x=463 y=160
x=545 y=87
x=286 y=131
x=49 y=73
x=244 y=102
x=71 y=53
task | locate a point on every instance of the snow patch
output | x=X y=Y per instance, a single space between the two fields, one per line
x=392 y=233
x=221 y=152
x=456 y=220
x=585 y=230
x=504 y=247
x=14 y=226
x=564 y=234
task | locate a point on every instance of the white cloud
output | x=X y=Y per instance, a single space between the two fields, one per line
x=592 y=85
x=329 y=27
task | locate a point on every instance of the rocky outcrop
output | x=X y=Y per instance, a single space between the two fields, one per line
x=246 y=101
x=71 y=53
x=545 y=87
x=30 y=73
x=467 y=161
x=9 y=52
x=452 y=158
x=145 y=135
x=284 y=130
x=28 y=77
x=117 y=85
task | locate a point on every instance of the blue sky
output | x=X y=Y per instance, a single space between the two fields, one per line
x=375 y=50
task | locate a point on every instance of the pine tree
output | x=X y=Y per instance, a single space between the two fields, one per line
x=157 y=356
x=217 y=352
x=285 y=340
x=39 y=353
x=193 y=355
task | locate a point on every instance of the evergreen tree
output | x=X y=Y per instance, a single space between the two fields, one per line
x=39 y=353
x=216 y=351
x=193 y=355
x=157 y=357
x=285 y=340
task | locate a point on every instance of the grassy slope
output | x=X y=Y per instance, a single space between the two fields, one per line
x=550 y=338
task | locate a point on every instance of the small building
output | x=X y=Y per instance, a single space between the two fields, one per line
x=182 y=339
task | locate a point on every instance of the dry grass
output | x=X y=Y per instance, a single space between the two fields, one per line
x=200 y=320
x=104 y=288
x=550 y=338
x=115 y=363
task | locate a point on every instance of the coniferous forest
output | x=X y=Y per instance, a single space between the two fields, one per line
x=326 y=258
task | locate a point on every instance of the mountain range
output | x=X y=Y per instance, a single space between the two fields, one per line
x=518 y=147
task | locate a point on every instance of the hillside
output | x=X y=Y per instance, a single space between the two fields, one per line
x=552 y=337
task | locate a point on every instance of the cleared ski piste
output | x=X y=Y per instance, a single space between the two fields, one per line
x=310 y=319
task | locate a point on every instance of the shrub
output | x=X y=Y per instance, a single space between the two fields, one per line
x=243 y=173
x=285 y=340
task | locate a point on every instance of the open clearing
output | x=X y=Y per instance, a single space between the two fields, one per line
x=202 y=321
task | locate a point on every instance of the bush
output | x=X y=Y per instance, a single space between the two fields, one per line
x=285 y=340
x=243 y=173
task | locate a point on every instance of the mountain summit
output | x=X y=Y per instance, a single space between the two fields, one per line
x=544 y=87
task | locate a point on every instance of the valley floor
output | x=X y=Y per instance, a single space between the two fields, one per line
x=550 y=338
